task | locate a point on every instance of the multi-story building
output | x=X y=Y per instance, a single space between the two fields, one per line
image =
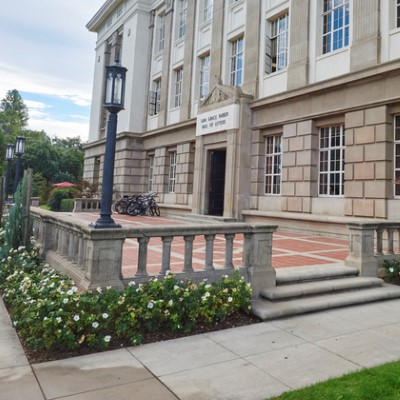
x=252 y=109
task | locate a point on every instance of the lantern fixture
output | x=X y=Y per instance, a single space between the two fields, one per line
x=115 y=87
x=20 y=146
x=10 y=151
x=19 y=151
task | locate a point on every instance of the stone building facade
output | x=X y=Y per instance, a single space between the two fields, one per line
x=254 y=109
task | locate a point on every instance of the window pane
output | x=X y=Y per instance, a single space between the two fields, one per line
x=331 y=161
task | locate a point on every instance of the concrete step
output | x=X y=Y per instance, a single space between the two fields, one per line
x=318 y=272
x=266 y=309
x=319 y=287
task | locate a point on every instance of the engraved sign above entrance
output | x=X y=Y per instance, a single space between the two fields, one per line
x=221 y=119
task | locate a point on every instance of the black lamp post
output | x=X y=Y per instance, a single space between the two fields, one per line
x=114 y=103
x=9 y=157
x=19 y=150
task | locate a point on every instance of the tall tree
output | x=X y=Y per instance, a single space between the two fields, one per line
x=14 y=108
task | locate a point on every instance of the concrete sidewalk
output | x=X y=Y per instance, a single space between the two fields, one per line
x=246 y=363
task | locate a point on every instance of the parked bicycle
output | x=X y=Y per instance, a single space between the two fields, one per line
x=144 y=204
x=121 y=205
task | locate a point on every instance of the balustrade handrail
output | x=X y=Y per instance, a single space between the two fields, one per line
x=93 y=257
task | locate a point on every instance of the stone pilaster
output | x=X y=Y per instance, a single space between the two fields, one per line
x=188 y=61
x=216 y=67
x=299 y=17
x=365 y=47
x=369 y=151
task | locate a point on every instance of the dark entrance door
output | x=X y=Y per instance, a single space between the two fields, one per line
x=217 y=182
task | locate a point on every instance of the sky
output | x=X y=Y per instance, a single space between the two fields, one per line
x=48 y=55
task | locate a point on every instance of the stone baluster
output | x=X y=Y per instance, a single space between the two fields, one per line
x=208 y=265
x=379 y=242
x=81 y=253
x=390 y=241
x=142 y=256
x=188 y=262
x=229 y=250
x=166 y=254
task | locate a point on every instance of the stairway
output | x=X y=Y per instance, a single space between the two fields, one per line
x=307 y=289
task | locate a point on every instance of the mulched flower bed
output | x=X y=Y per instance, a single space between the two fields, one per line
x=233 y=321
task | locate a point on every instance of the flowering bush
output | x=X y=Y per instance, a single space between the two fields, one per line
x=50 y=313
x=392 y=270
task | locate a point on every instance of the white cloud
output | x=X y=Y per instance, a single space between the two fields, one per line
x=46 y=49
x=60 y=128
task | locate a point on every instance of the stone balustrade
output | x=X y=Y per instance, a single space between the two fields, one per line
x=93 y=257
x=371 y=243
x=87 y=205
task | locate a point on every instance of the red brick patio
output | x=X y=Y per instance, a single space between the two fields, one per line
x=289 y=249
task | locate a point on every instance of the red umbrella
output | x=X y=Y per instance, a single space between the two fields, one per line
x=64 y=184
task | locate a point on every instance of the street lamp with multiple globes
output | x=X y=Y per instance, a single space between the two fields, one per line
x=114 y=103
x=19 y=150
x=9 y=156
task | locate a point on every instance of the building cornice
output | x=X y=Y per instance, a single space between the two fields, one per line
x=101 y=16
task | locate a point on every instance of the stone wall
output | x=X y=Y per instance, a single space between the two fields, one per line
x=368 y=162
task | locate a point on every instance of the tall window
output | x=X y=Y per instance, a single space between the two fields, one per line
x=151 y=174
x=336 y=21
x=160 y=33
x=273 y=164
x=172 y=172
x=155 y=97
x=178 y=87
x=397 y=155
x=207 y=10
x=277 y=44
x=331 y=161
x=204 y=76
x=236 y=72
x=398 y=14
x=182 y=18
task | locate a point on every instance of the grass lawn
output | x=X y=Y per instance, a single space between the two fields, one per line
x=379 y=383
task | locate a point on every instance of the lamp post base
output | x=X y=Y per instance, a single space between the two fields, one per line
x=105 y=222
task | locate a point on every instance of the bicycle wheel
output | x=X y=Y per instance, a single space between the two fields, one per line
x=157 y=210
x=118 y=207
x=151 y=210
x=133 y=209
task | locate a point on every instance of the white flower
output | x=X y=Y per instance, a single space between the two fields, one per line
x=167 y=272
x=58 y=319
x=107 y=338
x=391 y=269
x=99 y=289
x=176 y=287
x=170 y=303
x=105 y=315
x=131 y=283
x=51 y=285
x=95 y=324
x=109 y=287
x=65 y=301
x=74 y=289
x=76 y=318
x=204 y=298
x=230 y=299
x=207 y=294
x=70 y=292
x=150 y=305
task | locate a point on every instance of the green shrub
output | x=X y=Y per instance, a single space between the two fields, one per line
x=58 y=194
x=67 y=205
x=14 y=223
x=50 y=313
x=392 y=269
